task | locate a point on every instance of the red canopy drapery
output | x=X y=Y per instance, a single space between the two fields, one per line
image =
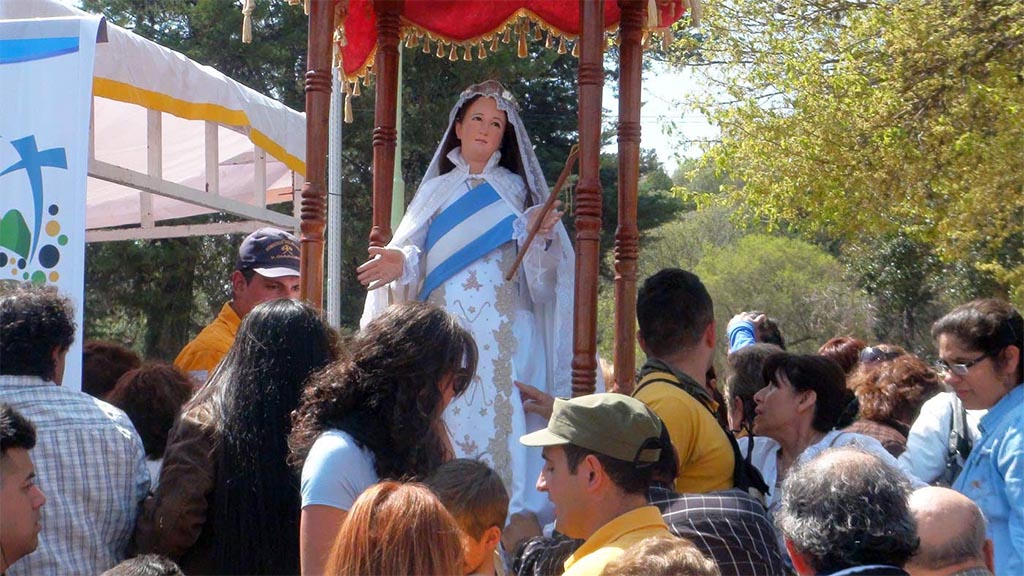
x=468 y=23
x=369 y=32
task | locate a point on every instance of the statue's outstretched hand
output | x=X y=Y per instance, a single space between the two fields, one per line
x=384 y=266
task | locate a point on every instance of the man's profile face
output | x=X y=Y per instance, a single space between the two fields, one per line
x=248 y=295
x=564 y=491
x=21 y=501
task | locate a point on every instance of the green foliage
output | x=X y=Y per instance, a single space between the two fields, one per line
x=863 y=120
x=804 y=288
x=153 y=295
x=800 y=285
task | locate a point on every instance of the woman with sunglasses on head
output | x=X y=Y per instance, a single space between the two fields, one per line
x=980 y=359
x=377 y=415
x=890 y=392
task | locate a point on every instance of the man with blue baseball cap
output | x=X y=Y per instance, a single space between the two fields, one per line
x=267 y=268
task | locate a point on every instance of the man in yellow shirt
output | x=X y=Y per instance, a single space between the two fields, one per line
x=677 y=332
x=599 y=452
x=267 y=269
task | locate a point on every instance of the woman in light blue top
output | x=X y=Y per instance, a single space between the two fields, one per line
x=377 y=415
x=980 y=359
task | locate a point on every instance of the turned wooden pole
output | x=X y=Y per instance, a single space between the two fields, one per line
x=313 y=210
x=588 y=197
x=384 y=132
x=627 y=236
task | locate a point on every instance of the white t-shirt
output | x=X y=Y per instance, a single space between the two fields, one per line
x=336 y=471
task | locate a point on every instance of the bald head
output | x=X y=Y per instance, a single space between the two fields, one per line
x=952 y=532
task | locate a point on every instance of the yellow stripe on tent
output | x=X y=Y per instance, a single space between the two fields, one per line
x=122 y=92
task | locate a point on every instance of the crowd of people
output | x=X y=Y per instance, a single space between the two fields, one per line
x=438 y=439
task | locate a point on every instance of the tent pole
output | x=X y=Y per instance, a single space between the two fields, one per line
x=314 y=198
x=384 y=132
x=588 y=197
x=627 y=237
x=334 y=219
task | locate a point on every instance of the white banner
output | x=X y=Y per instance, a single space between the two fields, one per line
x=46 y=69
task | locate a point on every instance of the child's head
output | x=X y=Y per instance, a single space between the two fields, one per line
x=475 y=495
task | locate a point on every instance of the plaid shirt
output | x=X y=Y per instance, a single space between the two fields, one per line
x=728 y=526
x=91 y=466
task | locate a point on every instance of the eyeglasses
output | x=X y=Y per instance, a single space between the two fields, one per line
x=873 y=354
x=944 y=367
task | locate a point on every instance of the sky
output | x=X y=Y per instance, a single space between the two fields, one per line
x=663 y=89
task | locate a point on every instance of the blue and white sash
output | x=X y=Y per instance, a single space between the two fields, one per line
x=464 y=232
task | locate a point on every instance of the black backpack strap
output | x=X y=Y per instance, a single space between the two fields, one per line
x=744 y=474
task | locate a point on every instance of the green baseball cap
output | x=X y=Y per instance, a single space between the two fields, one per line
x=612 y=424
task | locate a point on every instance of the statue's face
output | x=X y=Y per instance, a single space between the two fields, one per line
x=480 y=132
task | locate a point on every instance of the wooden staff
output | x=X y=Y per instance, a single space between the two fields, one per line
x=570 y=162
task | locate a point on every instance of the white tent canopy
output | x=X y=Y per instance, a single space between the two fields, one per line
x=173 y=138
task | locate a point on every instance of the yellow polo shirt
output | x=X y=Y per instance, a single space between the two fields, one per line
x=706 y=459
x=613 y=538
x=200 y=356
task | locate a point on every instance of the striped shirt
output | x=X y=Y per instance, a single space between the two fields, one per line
x=91 y=466
x=728 y=526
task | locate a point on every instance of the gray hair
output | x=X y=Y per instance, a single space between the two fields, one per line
x=847 y=508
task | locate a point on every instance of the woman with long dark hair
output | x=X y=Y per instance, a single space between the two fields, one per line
x=377 y=415
x=228 y=502
x=980 y=358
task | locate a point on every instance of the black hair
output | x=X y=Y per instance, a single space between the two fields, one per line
x=386 y=392
x=15 y=430
x=666 y=468
x=987 y=325
x=250 y=397
x=35 y=321
x=629 y=477
x=673 y=308
x=836 y=405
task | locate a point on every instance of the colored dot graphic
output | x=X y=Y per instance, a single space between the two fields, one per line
x=16 y=241
x=49 y=256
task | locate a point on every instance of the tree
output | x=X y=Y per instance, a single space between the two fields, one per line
x=861 y=119
x=800 y=285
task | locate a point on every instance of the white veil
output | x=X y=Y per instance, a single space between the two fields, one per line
x=554 y=318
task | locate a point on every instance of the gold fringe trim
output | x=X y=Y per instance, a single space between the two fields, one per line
x=523 y=23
